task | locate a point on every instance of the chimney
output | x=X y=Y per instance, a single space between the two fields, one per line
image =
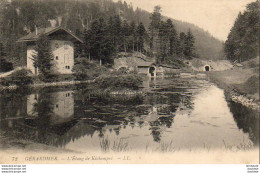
x=59 y=20
x=53 y=22
x=36 y=30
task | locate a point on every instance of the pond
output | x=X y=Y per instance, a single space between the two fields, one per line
x=174 y=113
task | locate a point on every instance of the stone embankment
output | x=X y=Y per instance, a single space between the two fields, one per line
x=245 y=101
x=239 y=86
x=126 y=92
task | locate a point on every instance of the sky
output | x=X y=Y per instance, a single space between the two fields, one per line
x=215 y=16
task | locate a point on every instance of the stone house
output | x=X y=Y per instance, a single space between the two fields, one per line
x=62 y=46
x=148 y=68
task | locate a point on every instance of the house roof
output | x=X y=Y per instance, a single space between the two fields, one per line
x=145 y=64
x=47 y=31
x=165 y=65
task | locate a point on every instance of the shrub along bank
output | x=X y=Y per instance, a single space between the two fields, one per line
x=120 y=82
x=101 y=78
x=19 y=78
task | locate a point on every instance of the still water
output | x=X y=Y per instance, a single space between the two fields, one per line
x=185 y=113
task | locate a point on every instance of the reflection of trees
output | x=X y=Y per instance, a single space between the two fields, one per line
x=156 y=126
x=247 y=120
x=38 y=128
x=43 y=108
x=155 y=130
x=101 y=113
x=105 y=111
x=187 y=102
x=101 y=133
x=13 y=103
x=167 y=121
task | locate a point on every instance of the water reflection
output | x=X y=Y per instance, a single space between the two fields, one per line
x=190 y=112
x=58 y=105
x=247 y=120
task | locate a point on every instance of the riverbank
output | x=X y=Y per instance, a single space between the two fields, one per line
x=242 y=85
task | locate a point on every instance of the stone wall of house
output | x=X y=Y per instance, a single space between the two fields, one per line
x=143 y=70
x=30 y=53
x=63 y=52
x=63 y=56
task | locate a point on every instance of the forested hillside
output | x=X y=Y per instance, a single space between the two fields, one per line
x=243 y=40
x=18 y=18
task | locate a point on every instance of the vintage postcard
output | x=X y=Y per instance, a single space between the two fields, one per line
x=129 y=82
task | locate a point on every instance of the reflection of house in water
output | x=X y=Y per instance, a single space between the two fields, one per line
x=62 y=104
x=149 y=84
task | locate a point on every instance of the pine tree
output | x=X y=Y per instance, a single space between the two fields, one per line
x=117 y=28
x=133 y=36
x=100 y=41
x=163 y=41
x=87 y=45
x=172 y=35
x=154 y=25
x=189 y=45
x=243 y=40
x=141 y=33
x=126 y=34
x=4 y=65
x=182 y=42
x=42 y=59
x=179 y=51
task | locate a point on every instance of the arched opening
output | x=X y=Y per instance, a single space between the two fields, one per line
x=152 y=71
x=207 y=68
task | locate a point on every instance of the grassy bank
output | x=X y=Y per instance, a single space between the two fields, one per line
x=238 y=82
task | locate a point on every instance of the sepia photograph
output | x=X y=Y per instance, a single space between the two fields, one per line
x=129 y=82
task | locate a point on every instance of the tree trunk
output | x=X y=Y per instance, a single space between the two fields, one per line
x=124 y=45
x=133 y=45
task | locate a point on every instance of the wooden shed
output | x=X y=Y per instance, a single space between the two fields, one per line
x=148 y=68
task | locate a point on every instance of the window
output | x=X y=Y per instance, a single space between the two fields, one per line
x=57 y=106
x=68 y=67
x=57 y=58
